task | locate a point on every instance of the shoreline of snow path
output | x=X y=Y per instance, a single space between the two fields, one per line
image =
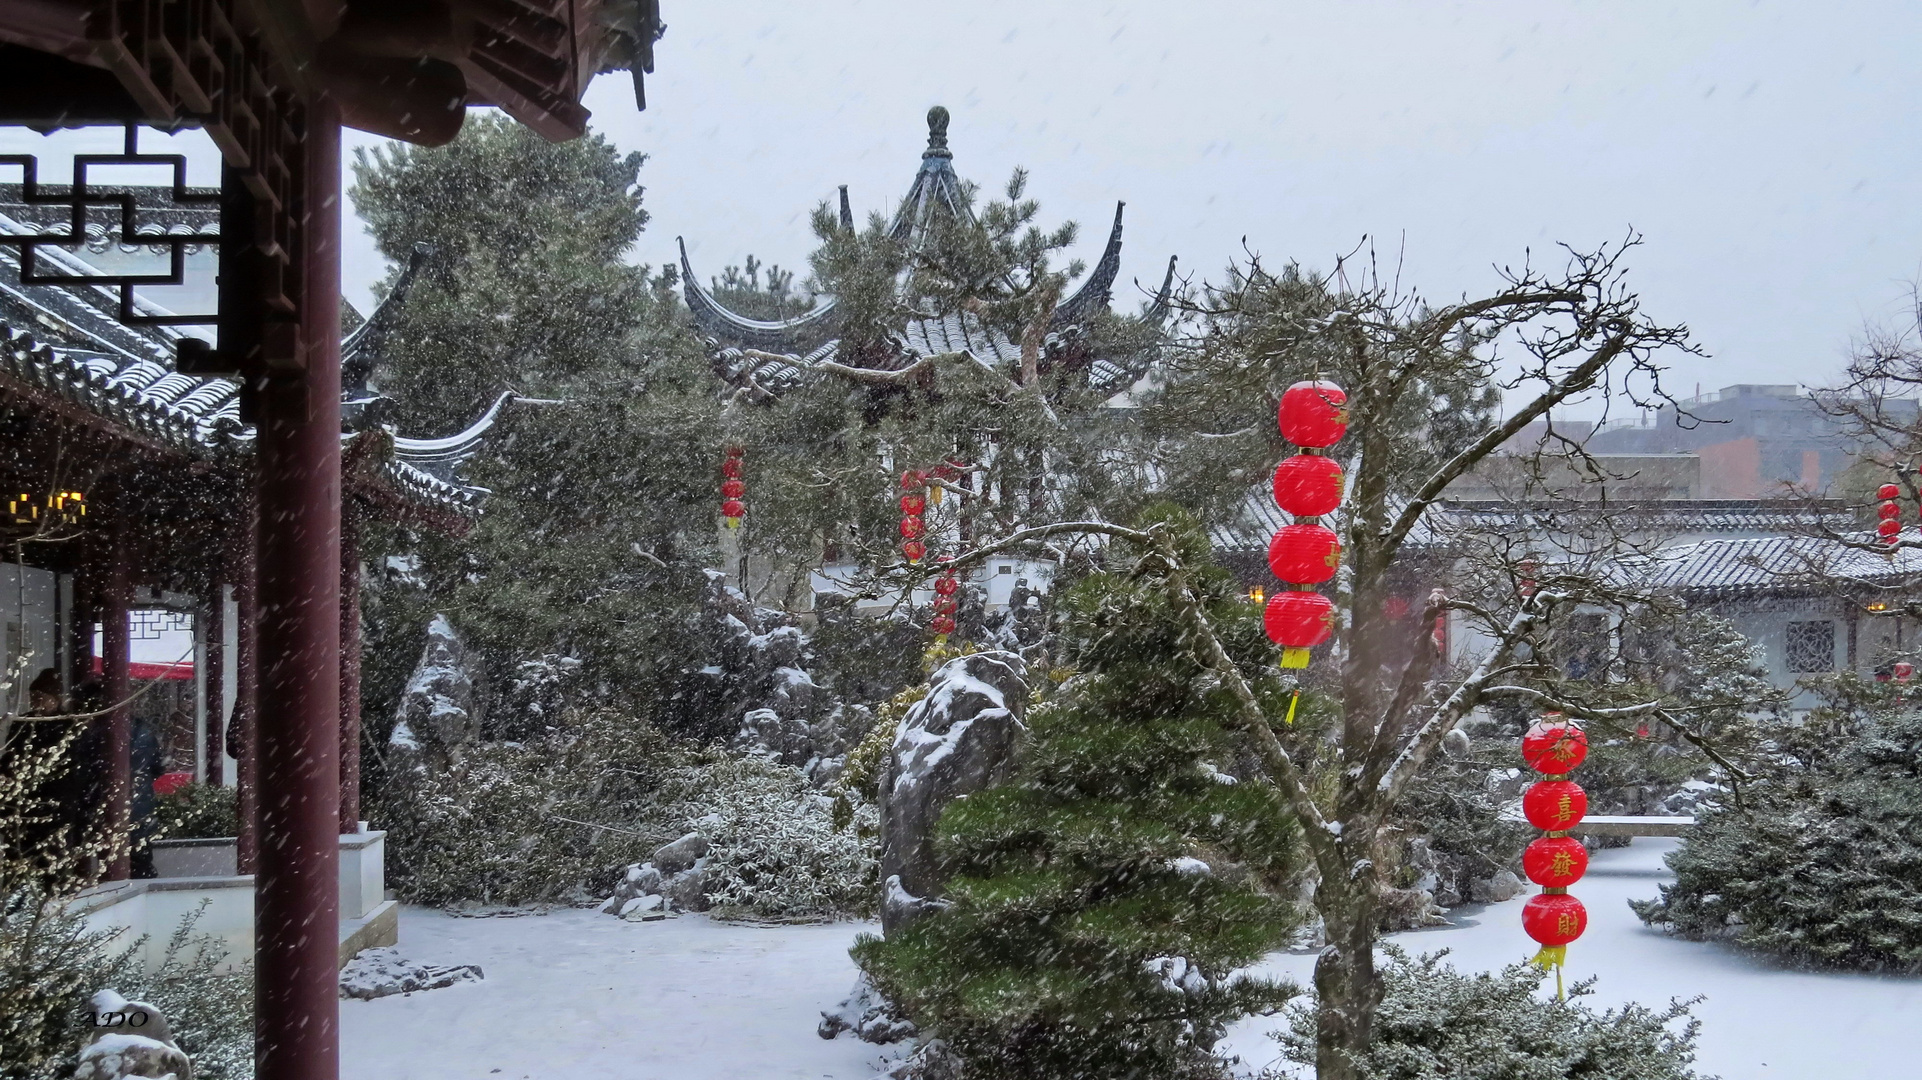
x=576 y=995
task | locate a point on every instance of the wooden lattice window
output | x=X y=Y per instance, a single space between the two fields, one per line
x=1811 y=646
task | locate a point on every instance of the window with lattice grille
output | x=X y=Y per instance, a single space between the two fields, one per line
x=1811 y=646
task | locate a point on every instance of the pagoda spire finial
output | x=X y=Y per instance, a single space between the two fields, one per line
x=937 y=134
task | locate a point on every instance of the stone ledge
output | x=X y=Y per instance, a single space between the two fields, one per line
x=378 y=927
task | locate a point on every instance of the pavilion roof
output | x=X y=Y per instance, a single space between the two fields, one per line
x=68 y=343
x=771 y=356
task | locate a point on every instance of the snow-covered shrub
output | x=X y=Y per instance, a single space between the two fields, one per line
x=775 y=850
x=51 y=964
x=1452 y=825
x=1821 y=860
x=1436 y=1023
x=197 y=811
x=209 y=1009
x=542 y=821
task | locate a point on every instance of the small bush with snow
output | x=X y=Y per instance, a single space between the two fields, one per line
x=1821 y=860
x=1436 y=1023
x=763 y=843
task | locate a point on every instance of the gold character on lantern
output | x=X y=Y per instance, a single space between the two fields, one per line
x=1561 y=865
x=1566 y=924
x=1565 y=808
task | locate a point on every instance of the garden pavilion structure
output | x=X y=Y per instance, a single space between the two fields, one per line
x=271 y=82
x=762 y=359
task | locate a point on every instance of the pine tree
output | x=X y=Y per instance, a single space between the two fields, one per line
x=601 y=519
x=1104 y=898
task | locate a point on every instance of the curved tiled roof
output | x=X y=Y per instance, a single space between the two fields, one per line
x=936 y=195
x=1720 y=569
x=198 y=417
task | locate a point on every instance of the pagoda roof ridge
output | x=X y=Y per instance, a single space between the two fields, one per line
x=794 y=335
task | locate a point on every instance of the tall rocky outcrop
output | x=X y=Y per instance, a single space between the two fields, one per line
x=964 y=736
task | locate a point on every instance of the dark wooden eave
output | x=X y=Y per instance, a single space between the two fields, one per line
x=406 y=69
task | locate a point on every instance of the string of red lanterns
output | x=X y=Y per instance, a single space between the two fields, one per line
x=1556 y=860
x=733 y=488
x=945 y=604
x=1313 y=416
x=1890 y=514
x=914 y=503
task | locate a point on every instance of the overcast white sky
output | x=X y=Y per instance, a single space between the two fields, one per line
x=1767 y=151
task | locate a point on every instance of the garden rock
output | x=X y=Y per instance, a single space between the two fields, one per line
x=866 y=1014
x=962 y=737
x=137 y=1043
x=681 y=854
x=439 y=712
x=378 y=973
x=1499 y=888
x=687 y=890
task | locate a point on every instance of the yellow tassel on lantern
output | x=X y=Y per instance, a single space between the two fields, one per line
x=1294 y=658
x=1292 y=702
x=1553 y=956
x=732 y=523
x=934 y=494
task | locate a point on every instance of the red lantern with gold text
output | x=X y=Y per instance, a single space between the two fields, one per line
x=1298 y=621
x=733 y=488
x=1308 y=485
x=1553 y=746
x=1555 y=861
x=1304 y=554
x=1314 y=414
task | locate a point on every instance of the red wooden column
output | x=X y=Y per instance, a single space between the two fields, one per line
x=115 y=597
x=215 y=635
x=297 y=881
x=349 y=668
x=246 y=688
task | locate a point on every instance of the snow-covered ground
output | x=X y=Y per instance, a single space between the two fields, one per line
x=575 y=995
x=1759 y=1021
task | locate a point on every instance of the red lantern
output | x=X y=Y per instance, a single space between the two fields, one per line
x=1888 y=510
x=731 y=468
x=913 y=504
x=1298 y=621
x=1554 y=919
x=1308 y=485
x=733 y=508
x=947 y=585
x=911 y=527
x=915 y=551
x=945 y=606
x=1888 y=491
x=1554 y=805
x=1554 y=747
x=1890 y=529
x=733 y=489
x=1314 y=414
x=1904 y=671
x=1555 y=861
x=1304 y=554
x=942 y=625
x=914 y=480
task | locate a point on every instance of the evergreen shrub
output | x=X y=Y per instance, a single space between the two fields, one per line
x=1107 y=897
x=1436 y=1023
x=1820 y=861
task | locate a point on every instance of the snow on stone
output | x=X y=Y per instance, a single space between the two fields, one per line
x=1188 y=866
